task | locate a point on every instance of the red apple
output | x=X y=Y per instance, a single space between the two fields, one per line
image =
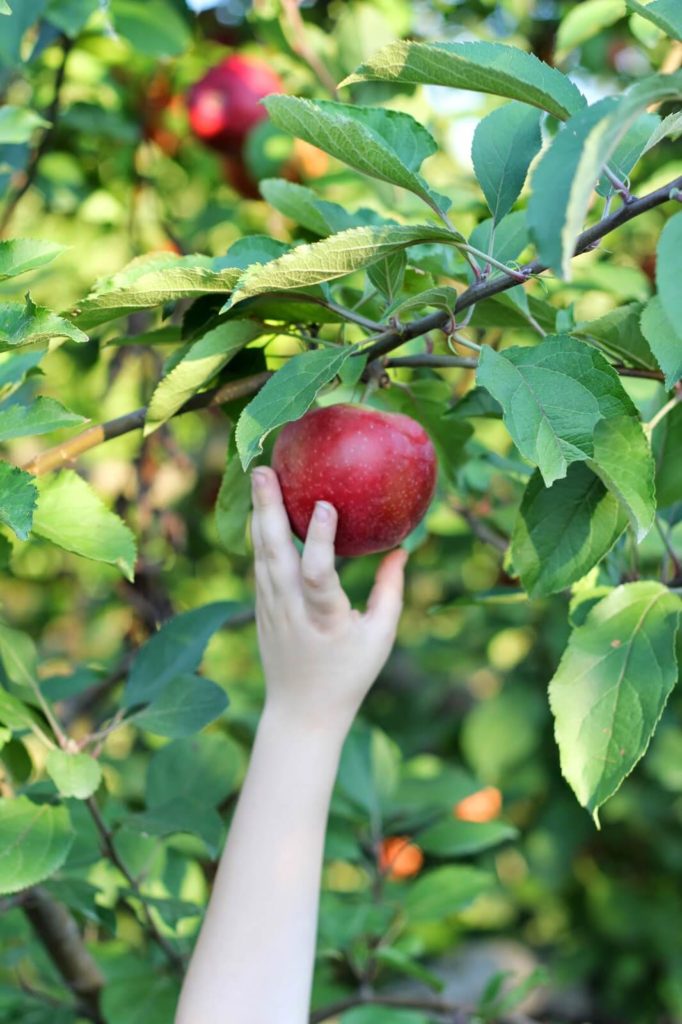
x=224 y=105
x=378 y=469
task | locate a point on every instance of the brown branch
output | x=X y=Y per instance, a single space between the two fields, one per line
x=57 y=930
x=481 y=529
x=109 y=850
x=629 y=371
x=394 y=337
x=63 y=454
x=427 y=359
x=51 y=115
x=299 y=44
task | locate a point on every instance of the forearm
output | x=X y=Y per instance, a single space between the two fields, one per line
x=254 y=957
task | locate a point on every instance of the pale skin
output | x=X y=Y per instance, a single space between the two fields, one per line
x=253 y=961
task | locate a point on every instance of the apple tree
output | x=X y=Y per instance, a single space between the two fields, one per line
x=519 y=296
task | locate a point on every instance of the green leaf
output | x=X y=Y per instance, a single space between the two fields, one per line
x=629 y=150
x=74 y=775
x=180 y=814
x=40 y=417
x=511 y=237
x=176 y=649
x=669 y=127
x=622 y=458
x=14 y=713
x=665 y=342
x=72 y=516
x=185 y=705
x=5 y=7
x=557 y=204
x=611 y=686
x=297 y=202
x=201 y=768
x=35 y=841
x=666 y=14
x=334 y=257
x=20 y=255
x=233 y=503
x=619 y=334
x=563 y=403
x=397 y=960
x=203 y=360
x=17 y=124
x=286 y=396
x=585 y=20
x=552 y=396
x=145 y=998
x=15 y=366
x=388 y=275
x=482 y=67
x=154 y=28
x=71 y=15
x=450 y=838
x=19 y=659
x=150 y=281
x=443 y=891
x=503 y=148
x=443 y=297
x=28 y=324
x=18 y=496
x=668 y=445
x=563 y=530
x=566 y=176
x=668 y=278
x=384 y=144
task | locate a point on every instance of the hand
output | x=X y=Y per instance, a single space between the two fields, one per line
x=320 y=656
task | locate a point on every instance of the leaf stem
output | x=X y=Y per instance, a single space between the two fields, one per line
x=661 y=414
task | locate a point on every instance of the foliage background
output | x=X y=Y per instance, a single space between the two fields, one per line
x=463 y=701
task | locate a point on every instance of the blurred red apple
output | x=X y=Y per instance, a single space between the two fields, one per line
x=377 y=469
x=224 y=105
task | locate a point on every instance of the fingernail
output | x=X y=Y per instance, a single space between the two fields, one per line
x=323 y=512
x=259 y=479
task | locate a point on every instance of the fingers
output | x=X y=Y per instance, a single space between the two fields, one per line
x=322 y=591
x=276 y=557
x=386 y=599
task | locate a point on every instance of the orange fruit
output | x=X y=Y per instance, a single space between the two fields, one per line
x=311 y=161
x=485 y=805
x=399 y=858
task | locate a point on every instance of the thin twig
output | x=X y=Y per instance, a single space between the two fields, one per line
x=110 y=851
x=63 y=454
x=481 y=529
x=432 y=360
x=672 y=554
x=392 y=338
x=299 y=44
x=51 y=115
x=662 y=413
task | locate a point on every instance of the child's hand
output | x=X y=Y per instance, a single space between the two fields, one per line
x=320 y=656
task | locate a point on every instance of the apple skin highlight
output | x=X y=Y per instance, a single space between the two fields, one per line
x=377 y=469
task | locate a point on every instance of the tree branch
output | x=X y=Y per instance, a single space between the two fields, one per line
x=110 y=851
x=57 y=930
x=63 y=454
x=434 y=361
x=51 y=115
x=299 y=44
x=382 y=344
x=394 y=337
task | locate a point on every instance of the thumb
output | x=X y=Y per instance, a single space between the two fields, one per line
x=386 y=599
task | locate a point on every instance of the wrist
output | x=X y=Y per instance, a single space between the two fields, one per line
x=303 y=728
